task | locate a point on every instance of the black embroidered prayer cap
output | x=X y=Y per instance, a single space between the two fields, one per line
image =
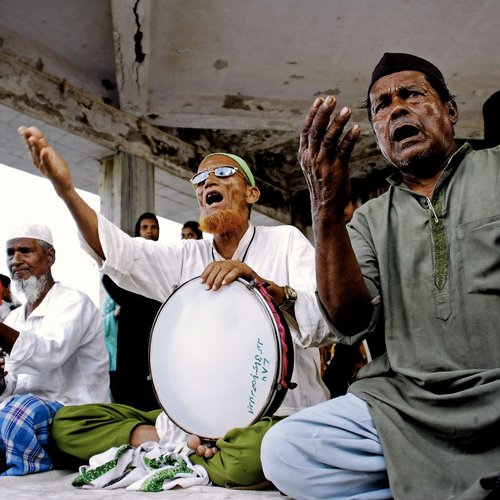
x=393 y=62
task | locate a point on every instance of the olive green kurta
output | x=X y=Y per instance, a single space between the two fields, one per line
x=435 y=394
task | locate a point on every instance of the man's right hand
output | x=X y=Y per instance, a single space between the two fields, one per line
x=324 y=157
x=47 y=160
x=53 y=166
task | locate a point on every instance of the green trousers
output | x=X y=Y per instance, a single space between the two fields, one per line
x=86 y=430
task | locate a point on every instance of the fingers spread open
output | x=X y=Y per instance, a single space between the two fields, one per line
x=334 y=132
x=304 y=133
x=319 y=125
x=346 y=146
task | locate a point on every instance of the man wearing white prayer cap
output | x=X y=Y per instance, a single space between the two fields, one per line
x=52 y=353
x=34 y=231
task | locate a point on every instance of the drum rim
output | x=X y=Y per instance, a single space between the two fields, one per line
x=277 y=392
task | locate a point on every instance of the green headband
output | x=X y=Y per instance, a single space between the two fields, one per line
x=240 y=161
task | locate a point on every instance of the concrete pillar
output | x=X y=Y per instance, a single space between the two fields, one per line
x=126 y=187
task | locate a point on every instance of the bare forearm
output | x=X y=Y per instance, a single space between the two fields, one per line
x=340 y=283
x=85 y=219
x=324 y=156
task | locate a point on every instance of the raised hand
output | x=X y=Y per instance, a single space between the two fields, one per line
x=47 y=160
x=53 y=166
x=324 y=156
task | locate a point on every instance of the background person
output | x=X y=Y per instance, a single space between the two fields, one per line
x=191 y=231
x=420 y=264
x=52 y=352
x=109 y=313
x=131 y=385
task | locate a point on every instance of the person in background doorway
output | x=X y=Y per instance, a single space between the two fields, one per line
x=191 y=231
x=131 y=385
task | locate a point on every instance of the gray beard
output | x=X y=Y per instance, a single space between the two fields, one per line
x=31 y=288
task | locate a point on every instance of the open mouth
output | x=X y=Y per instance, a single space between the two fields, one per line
x=213 y=197
x=404 y=132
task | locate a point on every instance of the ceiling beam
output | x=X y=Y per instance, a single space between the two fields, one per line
x=56 y=102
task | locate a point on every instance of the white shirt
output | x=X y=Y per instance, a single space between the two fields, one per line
x=60 y=353
x=281 y=254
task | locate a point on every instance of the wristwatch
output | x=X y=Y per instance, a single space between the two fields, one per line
x=290 y=298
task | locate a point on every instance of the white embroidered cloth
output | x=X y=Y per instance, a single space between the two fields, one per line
x=150 y=467
x=146 y=468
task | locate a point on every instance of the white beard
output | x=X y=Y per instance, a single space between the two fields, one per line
x=31 y=288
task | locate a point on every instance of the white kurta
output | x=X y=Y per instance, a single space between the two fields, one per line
x=60 y=353
x=281 y=254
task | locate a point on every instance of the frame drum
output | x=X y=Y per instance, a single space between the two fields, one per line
x=220 y=359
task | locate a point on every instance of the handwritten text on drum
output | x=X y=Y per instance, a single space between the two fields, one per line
x=258 y=372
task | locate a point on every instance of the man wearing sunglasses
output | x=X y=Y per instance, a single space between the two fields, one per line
x=281 y=256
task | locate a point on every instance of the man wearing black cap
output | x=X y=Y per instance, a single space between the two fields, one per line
x=420 y=266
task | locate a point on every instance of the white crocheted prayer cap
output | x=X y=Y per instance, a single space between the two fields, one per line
x=35 y=231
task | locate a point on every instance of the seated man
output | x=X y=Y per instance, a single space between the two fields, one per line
x=420 y=264
x=282 y=256
x=53 y=351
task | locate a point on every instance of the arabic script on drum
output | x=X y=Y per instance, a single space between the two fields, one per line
x=258 y=373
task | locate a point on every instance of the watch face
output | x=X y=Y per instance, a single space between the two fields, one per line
x=290 y=293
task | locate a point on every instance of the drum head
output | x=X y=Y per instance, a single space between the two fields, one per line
x=215 y=358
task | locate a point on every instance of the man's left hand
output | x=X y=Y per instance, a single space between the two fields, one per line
x=225 y=272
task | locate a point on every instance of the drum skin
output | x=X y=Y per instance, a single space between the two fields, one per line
x=216 y=357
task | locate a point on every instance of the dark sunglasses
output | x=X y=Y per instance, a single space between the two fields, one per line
x=222 y=171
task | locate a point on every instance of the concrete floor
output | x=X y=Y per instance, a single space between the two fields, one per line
x=57 y=485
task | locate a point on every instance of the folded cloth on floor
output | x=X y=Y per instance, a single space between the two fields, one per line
x=150 y=467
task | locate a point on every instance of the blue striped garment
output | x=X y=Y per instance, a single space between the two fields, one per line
x=24 y=433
